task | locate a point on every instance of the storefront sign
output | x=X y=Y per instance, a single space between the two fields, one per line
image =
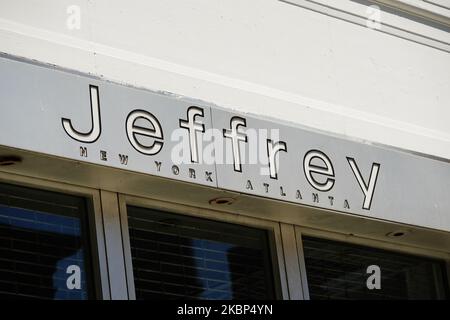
x=78 y=117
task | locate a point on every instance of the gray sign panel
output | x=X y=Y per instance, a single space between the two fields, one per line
x=53 y=112
x=74 y=116
x=337 y=174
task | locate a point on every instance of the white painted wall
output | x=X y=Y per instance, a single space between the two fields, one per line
x=263 y=57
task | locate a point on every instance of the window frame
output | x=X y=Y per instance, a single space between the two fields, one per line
x=275 y=240
x=362 y=241
x=94 y=225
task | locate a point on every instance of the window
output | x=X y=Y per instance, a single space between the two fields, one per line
x=180 y=257
x=44 y=248
x=337 y=270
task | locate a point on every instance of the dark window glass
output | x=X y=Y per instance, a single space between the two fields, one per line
x=176 y=257
x=338 y=270
x=43 y=245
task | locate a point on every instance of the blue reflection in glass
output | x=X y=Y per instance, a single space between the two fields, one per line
x=44 y=261
x=213 y=269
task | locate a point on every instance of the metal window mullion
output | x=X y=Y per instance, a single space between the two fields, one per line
x=127 y=247
x=292 y=266
x=114 y=248
x=302 y=264
x=98 y=248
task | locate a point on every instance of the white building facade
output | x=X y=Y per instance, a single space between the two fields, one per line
x=201 y=149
